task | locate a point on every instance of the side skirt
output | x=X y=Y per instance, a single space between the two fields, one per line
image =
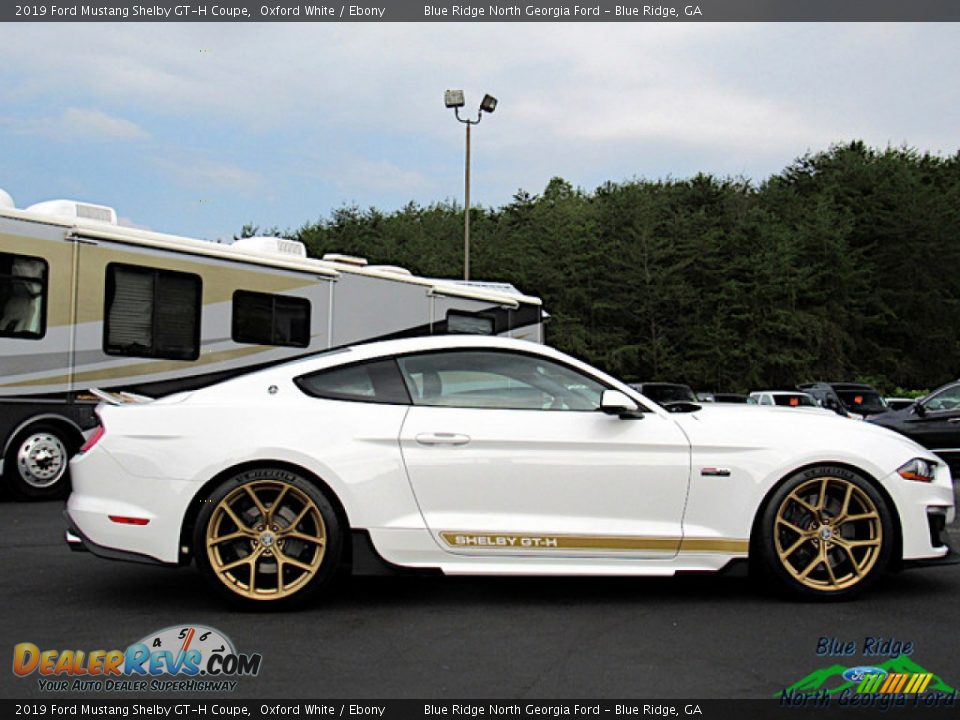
x=366 y=561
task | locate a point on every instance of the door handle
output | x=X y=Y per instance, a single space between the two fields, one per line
x=954 y=420
x=442 y=438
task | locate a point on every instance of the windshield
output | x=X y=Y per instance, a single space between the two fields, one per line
x=798 y=400
x=669 y=393
x=862 y=400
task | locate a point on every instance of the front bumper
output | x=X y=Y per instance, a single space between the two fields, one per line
x=939 y=538
x=924 y=510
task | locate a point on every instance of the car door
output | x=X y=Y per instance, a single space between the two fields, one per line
x=508 y=453
x=937 y=425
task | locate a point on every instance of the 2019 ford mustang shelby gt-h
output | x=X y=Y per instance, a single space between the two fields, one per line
x=478 y=455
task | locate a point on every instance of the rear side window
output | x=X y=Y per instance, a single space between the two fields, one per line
x=152 y=313
x=265 y=319
x=373 y=382
x=23 y=296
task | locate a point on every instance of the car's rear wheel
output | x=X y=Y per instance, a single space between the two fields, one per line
x=268 y=536
x=36 y=466
x=826 y=533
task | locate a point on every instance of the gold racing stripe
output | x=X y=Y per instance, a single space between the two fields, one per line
x=514 y=541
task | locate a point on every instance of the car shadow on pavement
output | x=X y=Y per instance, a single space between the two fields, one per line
x=124 y=586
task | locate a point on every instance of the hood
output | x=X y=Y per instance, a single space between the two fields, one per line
x=788 y=430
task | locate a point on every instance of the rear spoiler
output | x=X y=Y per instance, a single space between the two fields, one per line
x=120 y=398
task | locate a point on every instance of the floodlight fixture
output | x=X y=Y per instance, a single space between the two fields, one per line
x=488 y=104
x=454 y=99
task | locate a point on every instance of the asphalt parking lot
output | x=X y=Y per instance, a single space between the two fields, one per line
x=415 y=637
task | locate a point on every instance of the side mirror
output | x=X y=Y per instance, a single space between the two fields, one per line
x=614 y=402
x=919 y=409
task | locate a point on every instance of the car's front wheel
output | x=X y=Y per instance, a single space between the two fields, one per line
x=826 y=533
x=268 y=536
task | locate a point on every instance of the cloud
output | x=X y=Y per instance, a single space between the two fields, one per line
x=726 y=84
x=91 y=125
x=357 y=110
x=209 y=175
x=359 y=174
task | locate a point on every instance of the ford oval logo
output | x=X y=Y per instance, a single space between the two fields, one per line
x=856 y=674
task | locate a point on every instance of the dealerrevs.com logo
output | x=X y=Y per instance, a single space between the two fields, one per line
x=186 y=658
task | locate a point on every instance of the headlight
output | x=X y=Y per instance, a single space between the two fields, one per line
x=918 y=469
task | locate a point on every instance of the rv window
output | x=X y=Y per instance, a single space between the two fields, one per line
x=23 y=296
x=459 y=323
x=152 y=313
x=375 y=382
x=264 y=319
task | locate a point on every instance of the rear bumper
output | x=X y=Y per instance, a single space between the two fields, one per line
x=78 y=542
x=103 y=489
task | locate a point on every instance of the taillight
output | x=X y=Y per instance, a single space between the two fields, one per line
x=93 y=439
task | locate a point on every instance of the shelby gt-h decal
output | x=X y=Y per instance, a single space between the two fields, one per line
x=500 y=541
x=493 y=456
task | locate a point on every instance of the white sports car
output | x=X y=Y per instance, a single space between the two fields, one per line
x=492 y=456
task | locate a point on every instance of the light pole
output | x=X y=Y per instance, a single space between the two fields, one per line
x=454 y=99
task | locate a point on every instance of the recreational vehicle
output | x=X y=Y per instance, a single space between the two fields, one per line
x=87 y=303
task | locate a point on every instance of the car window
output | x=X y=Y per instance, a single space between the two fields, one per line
x=795 y=400
x=504 y=380
x=946 y=399
x=375 y=382
x=862 y=400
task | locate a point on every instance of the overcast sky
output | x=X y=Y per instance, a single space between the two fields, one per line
x=199 y=128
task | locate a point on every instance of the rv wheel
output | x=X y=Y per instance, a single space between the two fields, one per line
x=36 y=465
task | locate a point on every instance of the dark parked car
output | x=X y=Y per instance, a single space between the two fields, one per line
x=847 y=398
x=933 y=421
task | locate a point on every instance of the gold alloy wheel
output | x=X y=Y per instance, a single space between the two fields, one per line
x=266 y=540
x=828 y=534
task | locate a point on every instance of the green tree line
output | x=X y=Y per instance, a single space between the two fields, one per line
x=846 y=265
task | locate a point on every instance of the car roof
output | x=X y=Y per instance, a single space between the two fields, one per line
x=446 y=342
x=386 y=348
x=837 y=386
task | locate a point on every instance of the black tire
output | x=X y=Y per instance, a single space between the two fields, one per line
x=832 y=548
x=290 y=542
x=36 y=466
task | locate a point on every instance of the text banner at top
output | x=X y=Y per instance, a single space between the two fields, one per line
x=487 y=11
